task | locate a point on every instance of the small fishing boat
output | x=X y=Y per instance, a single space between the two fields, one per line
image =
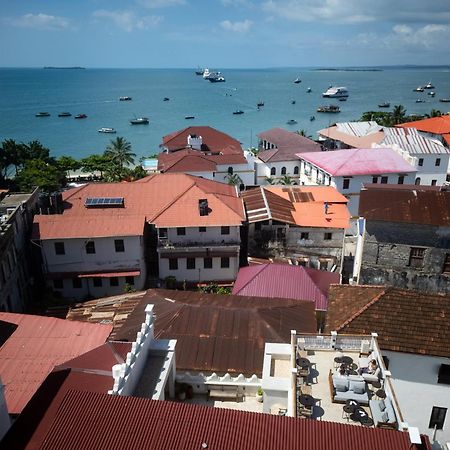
x=329 y=109
x=199 y=71
x=42 y=114
x=343 y=99
x=140 y=121
x=419 y=100
x=444 y=100
x=431 y=93
x=384 y=105
x=292 y=102
x=418 y=89
x=189 y=117
x=106 y=130
x=260 y=103
x=297 y=80
x=125 y=99
x=237 y=112
x=80 y=116
x=166 y=99
x=429 y=85
x=291 y=122
x=64 y=114
x=312 y=118
x=308 y=90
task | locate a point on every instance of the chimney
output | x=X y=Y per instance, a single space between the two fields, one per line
x=203 y=207
x=326 y=206
x=195 y=142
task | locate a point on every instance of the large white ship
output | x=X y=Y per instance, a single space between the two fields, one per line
x=336 y=92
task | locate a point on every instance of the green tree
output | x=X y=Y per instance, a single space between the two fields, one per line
x=234 y=179
x=398 y=114
x=119 y=151
x=435 y=113
x=95 y=163
x=37 y=172
x=286 y=180
x=270 y=180
x=66 y=163
x=35 y=150
x=13 y=153
x=303 y=133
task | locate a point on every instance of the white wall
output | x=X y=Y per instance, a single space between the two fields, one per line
x=415 y=384
x=212 y=235
x=245 y=171
x=263 y=171
x=429 y=171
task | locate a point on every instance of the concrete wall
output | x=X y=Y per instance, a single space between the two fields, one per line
x=386 y=256
x=415 y=382
x=263 y=171
x=212 y=236
x=429 y=171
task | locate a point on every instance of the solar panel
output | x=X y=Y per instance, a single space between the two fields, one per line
x=104 y=202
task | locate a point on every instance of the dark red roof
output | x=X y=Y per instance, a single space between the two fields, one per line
x=286 y=281
x=87 y=420
x=214 y=141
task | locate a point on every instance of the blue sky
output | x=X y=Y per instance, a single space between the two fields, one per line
x=223 y=33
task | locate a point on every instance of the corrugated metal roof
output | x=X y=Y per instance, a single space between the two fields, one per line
x=352 y=141
x=359 y=161
x=286 y=281
x=98 y=421
x=36 y=346
x=412 y=141
x=358 y=129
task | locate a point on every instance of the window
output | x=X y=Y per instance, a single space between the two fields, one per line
x=202 y=229
x=59 y=248
x=173 y=264
x=90 y=247
x=345 y=183
x=437 y=418
x=446 y=268
x=207 y=263
x=283 y=171
x=114 y=281
x=181 y=231
x=375 y=180
x=162 y=232
x=119 y=245
x=401 y=179
x=97 y=282
x=417 y=182
x=230 y=170
x=225 y=262
x=327 y=236
x=273 y=171
x=76 y=283
x=296 y=170
x=58 y=283
x=224 y=230
x=384 y=180
x=416 y=257
x=129 y=280
x=433 y=182
x=190 y=263
x=304 y=235
x=438 y=162
x=420 y=162
x=444 y=374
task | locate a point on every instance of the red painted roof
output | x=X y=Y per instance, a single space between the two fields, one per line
x=97 y=421
x=359 y=161
x=285 y=281
x=36 y=346
x=214 y=141
x=166 y=200
x=434 y=125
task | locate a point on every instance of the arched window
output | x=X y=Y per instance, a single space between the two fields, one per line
x=417 y=181
x=273 y=171
x=230 y=170
x=283 y=171
x=296 y=170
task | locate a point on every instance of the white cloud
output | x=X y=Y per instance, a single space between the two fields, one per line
x=237 y=3
x=153 y=4
x=128 y=20
x=237 y=27
x=39 y=22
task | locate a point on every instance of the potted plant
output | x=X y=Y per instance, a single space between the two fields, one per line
x=259 y=394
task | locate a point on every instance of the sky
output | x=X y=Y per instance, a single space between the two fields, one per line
x=223 y=33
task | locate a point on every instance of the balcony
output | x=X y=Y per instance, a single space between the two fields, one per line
x=164 y=243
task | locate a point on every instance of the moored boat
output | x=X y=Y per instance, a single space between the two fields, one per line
x=384 y=105
x=297 y=80
x=140 y=121
x=292 y=102
x=329 y=109
x=216 y=77
x=308 y=90
x=189 y=117
x=419 y=100
x=125 y=99
x=106 y=130
x=291 y=122
x=260 y=103
x=199 y=71
x=312 y=118
x=444 y=100
x=418 y=89
x=166 y=99
x=429 y=85
x=42 y=114
x=431 y=93
x=64 y=114
x=336 y=92
x=237 y=112
x=80 y=116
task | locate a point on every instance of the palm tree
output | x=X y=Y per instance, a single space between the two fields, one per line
x=398 y=114
x=270 y=180
x=303 y=133
x=234 y=179
x=435 y=113
x=286 y=180
x=119 y=151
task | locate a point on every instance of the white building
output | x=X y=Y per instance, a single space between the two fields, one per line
x=348 y=170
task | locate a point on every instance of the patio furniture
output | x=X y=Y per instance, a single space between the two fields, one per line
x=225 y=393
x=347 y=360
x=381 y=394
x=359 y=415
x=350 y=387
x=383 y=413
x=349 y=408
x=303 y=363
x=306 y=412
x=305 y=389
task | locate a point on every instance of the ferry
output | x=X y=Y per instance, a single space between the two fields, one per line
x=107 y=130
x=42 y=114
x=140 y=121
x=125 y=99
x=336 y=92
x=329 y=109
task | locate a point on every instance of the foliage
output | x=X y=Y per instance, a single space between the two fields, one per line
x=435 y=113
x=213 y=288
x=170 y=282
x=37 y=172
x=398 y=114
x=95 y=163
x=119 y=152
x=233 y=179
x=35 y=150
x=381 y=117
x=260 y=391
x=286 y=180
x=304 y=133
x=128 y=289
x=270 y=180
x=66 y=163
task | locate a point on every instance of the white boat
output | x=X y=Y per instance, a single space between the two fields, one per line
x=297 y=80
x=216 y=77
x=336 y=92
x=308 y=90
x=106 y=130
x=206 y=73
x=125 y=99
x=429 y=85
x=418 y=89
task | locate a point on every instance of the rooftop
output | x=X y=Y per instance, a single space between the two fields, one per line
x=285 y=281
x=287 y=143
x=359 y=161
x=354 y=134
x=33 y=345
x=407 y=321
x=434 y=125
x=297 y=205
x=427 y=205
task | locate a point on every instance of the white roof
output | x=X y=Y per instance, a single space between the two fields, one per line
x=358 y=129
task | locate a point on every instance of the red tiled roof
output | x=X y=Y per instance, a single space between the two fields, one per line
x=88 y=420
x=214 y=141
x=285 y=281
x=359 y=161
x=434 y=125
x=406 y=321
x=288 y=145
x=36 y=346
x=166 y=200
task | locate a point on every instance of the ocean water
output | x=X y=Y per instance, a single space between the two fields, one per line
x=95 y=92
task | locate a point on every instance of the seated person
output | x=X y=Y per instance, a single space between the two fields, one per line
x=372 y=369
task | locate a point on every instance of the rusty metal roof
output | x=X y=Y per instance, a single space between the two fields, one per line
x=97 y=421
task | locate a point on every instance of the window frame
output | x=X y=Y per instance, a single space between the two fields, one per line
x=304 y=235
x=58 y=245
x=181 y=231
x=420 y=162
x=401 y=179
x=190 y=264
x=446 y=265
x=416 y=257
x=114 y=281
x=119 y=245
x=296 y=170
x=202 y=229
x=225 y=230
x=207 y=266
x=77 y=283
x=437 y=163
x=327 y=236
x=384 y=179
x=173 y=263
x=129 y=280
x=97 y=282
x=346 y=183
x=283 y=170
x=224 y=262
x=273 y=171
x=89 y=247
x=437 y=417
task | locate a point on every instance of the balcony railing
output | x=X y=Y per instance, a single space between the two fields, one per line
x=166 y=244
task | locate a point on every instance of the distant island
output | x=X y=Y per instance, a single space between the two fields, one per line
x=71 y=68
x=349 y=70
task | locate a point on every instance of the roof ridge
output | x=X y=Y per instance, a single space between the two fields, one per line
x=316 y=287
x=174 y=135
x=263 y=267
x=266 y=203
x=364 y=308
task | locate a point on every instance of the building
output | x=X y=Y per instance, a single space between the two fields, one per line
x=345 y=135
x=406 y=240
x=113 y=235
x=348 y=170
x=305 y=223
x=277 y=155
x=413 y=332
x=16 y=275
x=431 y=156
x=433 y=127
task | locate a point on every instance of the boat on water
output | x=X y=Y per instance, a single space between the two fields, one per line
x=189 y=117
x=431 y=93
x=308 y=90
x=343 y=99
x=42 y=114
x=297 y=80
x=166 y=99
x=291 y=122
x=206 y=73
x=216 y=77
x=140 y=121
x=429 y=85
x=418 y=89
x=384 y=105
x=80 y=116
x=199 y=71
x=292 y=102
x=444 y=100
x=336 y=92
x=237 y=112
x=329 y=109
x=420 y=100
x=312 y=119
x=64 y=114
x=260 y=103
x=125 y=99
x=106 y=130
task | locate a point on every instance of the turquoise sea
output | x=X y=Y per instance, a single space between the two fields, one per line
x=95 y=92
